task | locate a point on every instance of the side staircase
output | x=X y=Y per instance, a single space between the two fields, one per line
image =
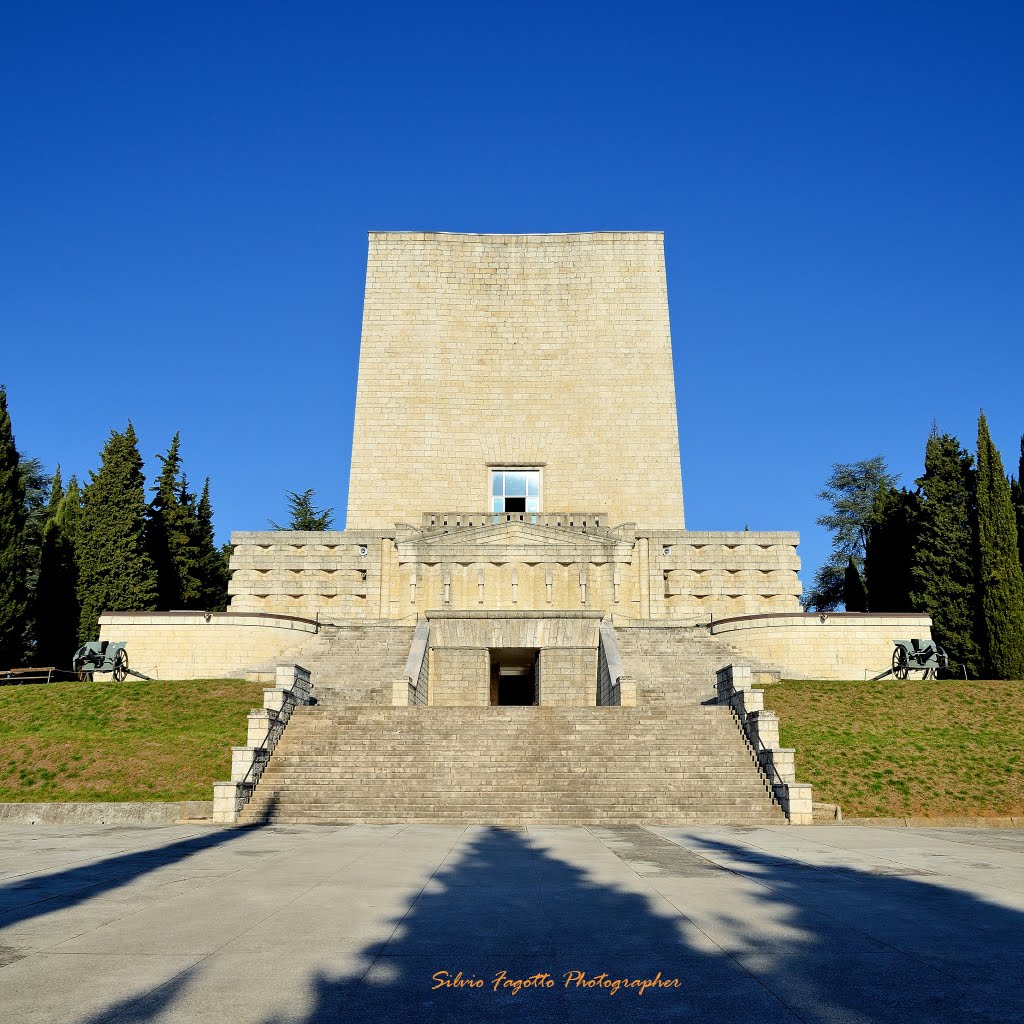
x=672 y=759
x=676 y=665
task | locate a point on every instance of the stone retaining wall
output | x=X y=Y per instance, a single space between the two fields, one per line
x=155 y=813
x=833 y=645
x=201 y=645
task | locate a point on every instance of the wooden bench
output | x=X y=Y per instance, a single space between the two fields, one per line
x=14 y=676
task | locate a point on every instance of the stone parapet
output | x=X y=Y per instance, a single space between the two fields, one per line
x=205 y=645
x=832 y=645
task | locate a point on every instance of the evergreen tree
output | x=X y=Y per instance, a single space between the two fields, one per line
x=115 y=570
x=55 y=496
x=12 y=540
x=1017 y=494
x=1000 y=579
x=214 y=567
x=855 y=597
x=850 y=490
x=171 y=534
x=305 y=515
x=57 y=607
x=889 y=551
x=189 y=555
x=943 y=567
x=36 y=488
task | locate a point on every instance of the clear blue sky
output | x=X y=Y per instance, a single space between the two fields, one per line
x=187 y=189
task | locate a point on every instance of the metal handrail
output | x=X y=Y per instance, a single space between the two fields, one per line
x=270 y=741
x=758 y=747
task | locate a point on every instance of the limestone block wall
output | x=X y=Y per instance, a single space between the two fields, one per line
x=335 y=574
x=568 y=677
x=551 y=352
x=514 y=629
x=194 y=645
x=688 y=577
x=837 y=645
x=459 y=677
x=702 y=576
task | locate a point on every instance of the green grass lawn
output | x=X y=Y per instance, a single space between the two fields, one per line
x=897 y=749
x=136 y=740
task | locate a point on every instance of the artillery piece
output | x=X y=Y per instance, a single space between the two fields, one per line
x=915 y=655
x=103 y=656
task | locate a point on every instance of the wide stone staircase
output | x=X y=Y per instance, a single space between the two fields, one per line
x=672 y=759
x=512 y=766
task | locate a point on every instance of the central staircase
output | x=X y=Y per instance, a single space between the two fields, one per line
x=671 y=760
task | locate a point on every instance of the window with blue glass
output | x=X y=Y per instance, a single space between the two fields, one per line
x=515 y=490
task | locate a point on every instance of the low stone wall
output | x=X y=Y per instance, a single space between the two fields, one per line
x=812 y=645
x=201 y=645
x=155 y=813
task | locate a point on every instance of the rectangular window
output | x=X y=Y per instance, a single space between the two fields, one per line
x=515 y=490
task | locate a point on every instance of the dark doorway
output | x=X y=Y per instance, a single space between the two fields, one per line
x=514 y=676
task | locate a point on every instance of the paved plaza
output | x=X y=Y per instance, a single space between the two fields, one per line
x=306 y=923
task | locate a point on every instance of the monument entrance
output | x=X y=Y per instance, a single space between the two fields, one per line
x=514 y=681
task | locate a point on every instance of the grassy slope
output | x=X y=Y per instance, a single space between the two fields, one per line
x=895 y=749
x=135 y=740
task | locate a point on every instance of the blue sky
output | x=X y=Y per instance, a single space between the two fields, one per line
x=187 y=190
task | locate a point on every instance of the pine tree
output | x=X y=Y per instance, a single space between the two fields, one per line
x=305 y=515
x=855 y=598
x=850 y=491
x=57 y=607
x=214 y=571
x=889 y=551
x=943 y=566
x=12 y=550
x=1000 y=579
x=116 y=572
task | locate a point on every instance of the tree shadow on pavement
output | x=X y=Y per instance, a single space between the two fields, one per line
x=750 y=937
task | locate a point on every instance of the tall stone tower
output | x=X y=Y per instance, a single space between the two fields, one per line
x=493 y=364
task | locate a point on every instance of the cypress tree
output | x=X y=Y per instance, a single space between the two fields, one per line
x=214 y=568
x=55 y=496
x=1001 y=581
x=57 y=607
x=12 y=551
x=889 y=550
x=943 y=568
x=855 y=598
x=36 y=488
x=1017 y=494
x=188 y=555
x=172 y=533
x=115 y=571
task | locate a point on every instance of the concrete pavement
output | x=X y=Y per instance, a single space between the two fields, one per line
x=310 y=924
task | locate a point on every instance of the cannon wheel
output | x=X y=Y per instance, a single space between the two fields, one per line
x=121 y=666
x=900 y=665
x=81 y=672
